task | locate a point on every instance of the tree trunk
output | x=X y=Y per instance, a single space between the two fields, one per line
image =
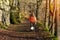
x=47 y=13
x=6 y=13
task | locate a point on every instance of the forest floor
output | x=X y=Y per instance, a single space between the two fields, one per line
x=59 y=32
x=24 y=28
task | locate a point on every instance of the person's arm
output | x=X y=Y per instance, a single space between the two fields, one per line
x=35 y=18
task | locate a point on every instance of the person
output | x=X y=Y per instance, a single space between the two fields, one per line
x=32 y=20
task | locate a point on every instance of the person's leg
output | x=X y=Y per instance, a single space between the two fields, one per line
x=32 y=26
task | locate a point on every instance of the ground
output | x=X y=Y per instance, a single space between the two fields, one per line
x=59 y=33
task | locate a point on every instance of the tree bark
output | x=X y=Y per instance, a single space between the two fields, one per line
x=6 y=13
x=47 y=13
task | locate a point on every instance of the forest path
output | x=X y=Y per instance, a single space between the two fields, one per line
x=59 y=32
x=17 y=27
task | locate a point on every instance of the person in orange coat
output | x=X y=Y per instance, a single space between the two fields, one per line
x=32 y=20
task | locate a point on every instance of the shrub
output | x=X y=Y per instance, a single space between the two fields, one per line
x=40 y=25
x=2 y=26
x=13 y=19
x=55 y=38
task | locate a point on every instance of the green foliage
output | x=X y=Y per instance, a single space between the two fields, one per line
x=40 y=25
x=22 y=17
x=55 y=38
x=46 y=29
x=3 y=26
x=13 y=18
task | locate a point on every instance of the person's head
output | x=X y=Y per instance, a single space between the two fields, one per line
x=31 y=14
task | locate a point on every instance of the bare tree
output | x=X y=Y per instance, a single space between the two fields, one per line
x=5 y=11
x=47 y=14
x=37 y=7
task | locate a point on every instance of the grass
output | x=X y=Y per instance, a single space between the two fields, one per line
x=4 y=27
x=55 y=38
x=13 y=19
x=40 y=25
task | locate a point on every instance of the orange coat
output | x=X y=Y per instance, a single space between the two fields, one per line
x=32 y=19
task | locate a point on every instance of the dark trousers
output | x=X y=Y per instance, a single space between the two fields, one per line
x=32 y=24
x=35 y=26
